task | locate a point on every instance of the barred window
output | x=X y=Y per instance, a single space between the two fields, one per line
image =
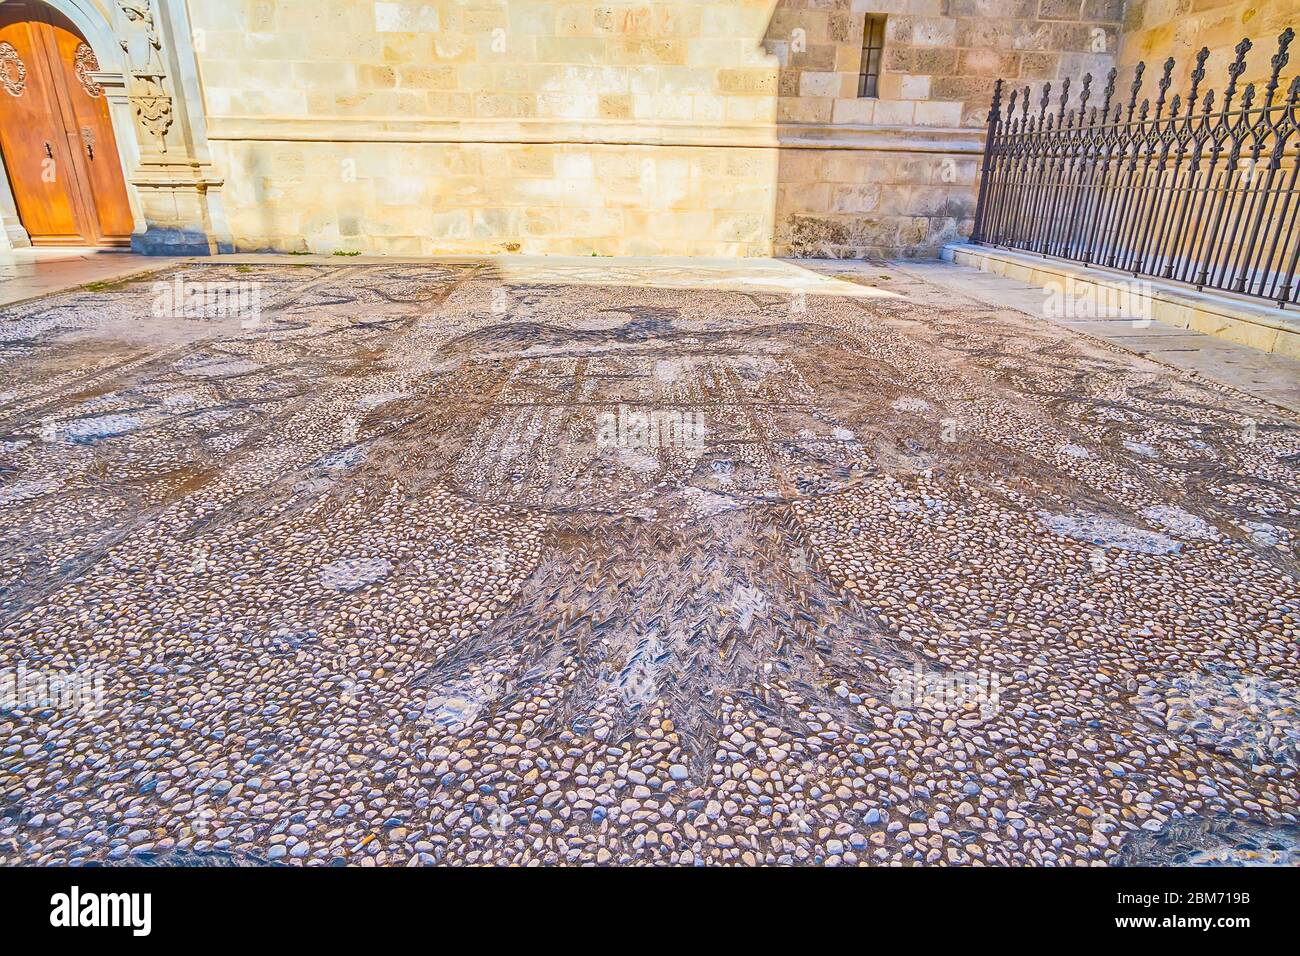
x=873 y=51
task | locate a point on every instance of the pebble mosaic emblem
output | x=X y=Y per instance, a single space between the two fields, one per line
x=367 y=584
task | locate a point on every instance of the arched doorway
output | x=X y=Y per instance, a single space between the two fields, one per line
x=55 y=133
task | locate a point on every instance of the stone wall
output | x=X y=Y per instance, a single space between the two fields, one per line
x=699 y=127
x=942 y=57
x=1157 y=29
x=426 y=127
x=704 y=127
x=901 y=180
x=423 y=198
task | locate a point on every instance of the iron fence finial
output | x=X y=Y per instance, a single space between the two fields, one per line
x=1198 y=74
x=1110 y=90
x=1235 y=69
x=1138 y=70
x=1166 y=80
x=1279 y=60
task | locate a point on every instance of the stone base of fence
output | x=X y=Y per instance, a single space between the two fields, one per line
x=1232 y=318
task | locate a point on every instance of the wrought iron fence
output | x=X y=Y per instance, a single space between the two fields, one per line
x=1179 y=189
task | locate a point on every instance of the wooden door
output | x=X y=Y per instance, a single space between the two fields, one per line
x=55 y=132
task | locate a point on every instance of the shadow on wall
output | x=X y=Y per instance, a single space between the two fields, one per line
x=891 y=170
x=870 y=176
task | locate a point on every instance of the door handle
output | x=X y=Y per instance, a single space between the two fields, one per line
x=49 y=150
x=88 y=137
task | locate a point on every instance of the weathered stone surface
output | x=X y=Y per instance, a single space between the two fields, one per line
x=431 y=564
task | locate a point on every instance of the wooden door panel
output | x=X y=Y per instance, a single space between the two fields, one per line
x=31 y=133
x=56 y=133
x=89 y=129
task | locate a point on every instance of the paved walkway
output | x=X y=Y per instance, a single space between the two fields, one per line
x=1274 y=378
x=568 y=561
x=29 y=273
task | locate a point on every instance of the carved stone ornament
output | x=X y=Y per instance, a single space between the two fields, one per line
x=143 y=47
x=155 y=114
x=142 y=44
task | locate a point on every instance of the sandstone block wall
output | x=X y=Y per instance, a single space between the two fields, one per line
x=941 y=57
x=564 y=199
x=703 y=127
x=908 y=193
x=1156 y=29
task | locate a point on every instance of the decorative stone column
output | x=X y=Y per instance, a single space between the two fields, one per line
x=179 y=197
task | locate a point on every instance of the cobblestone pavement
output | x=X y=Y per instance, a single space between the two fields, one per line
x=439 y=564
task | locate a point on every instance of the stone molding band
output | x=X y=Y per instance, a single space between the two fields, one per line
x=907 y=139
